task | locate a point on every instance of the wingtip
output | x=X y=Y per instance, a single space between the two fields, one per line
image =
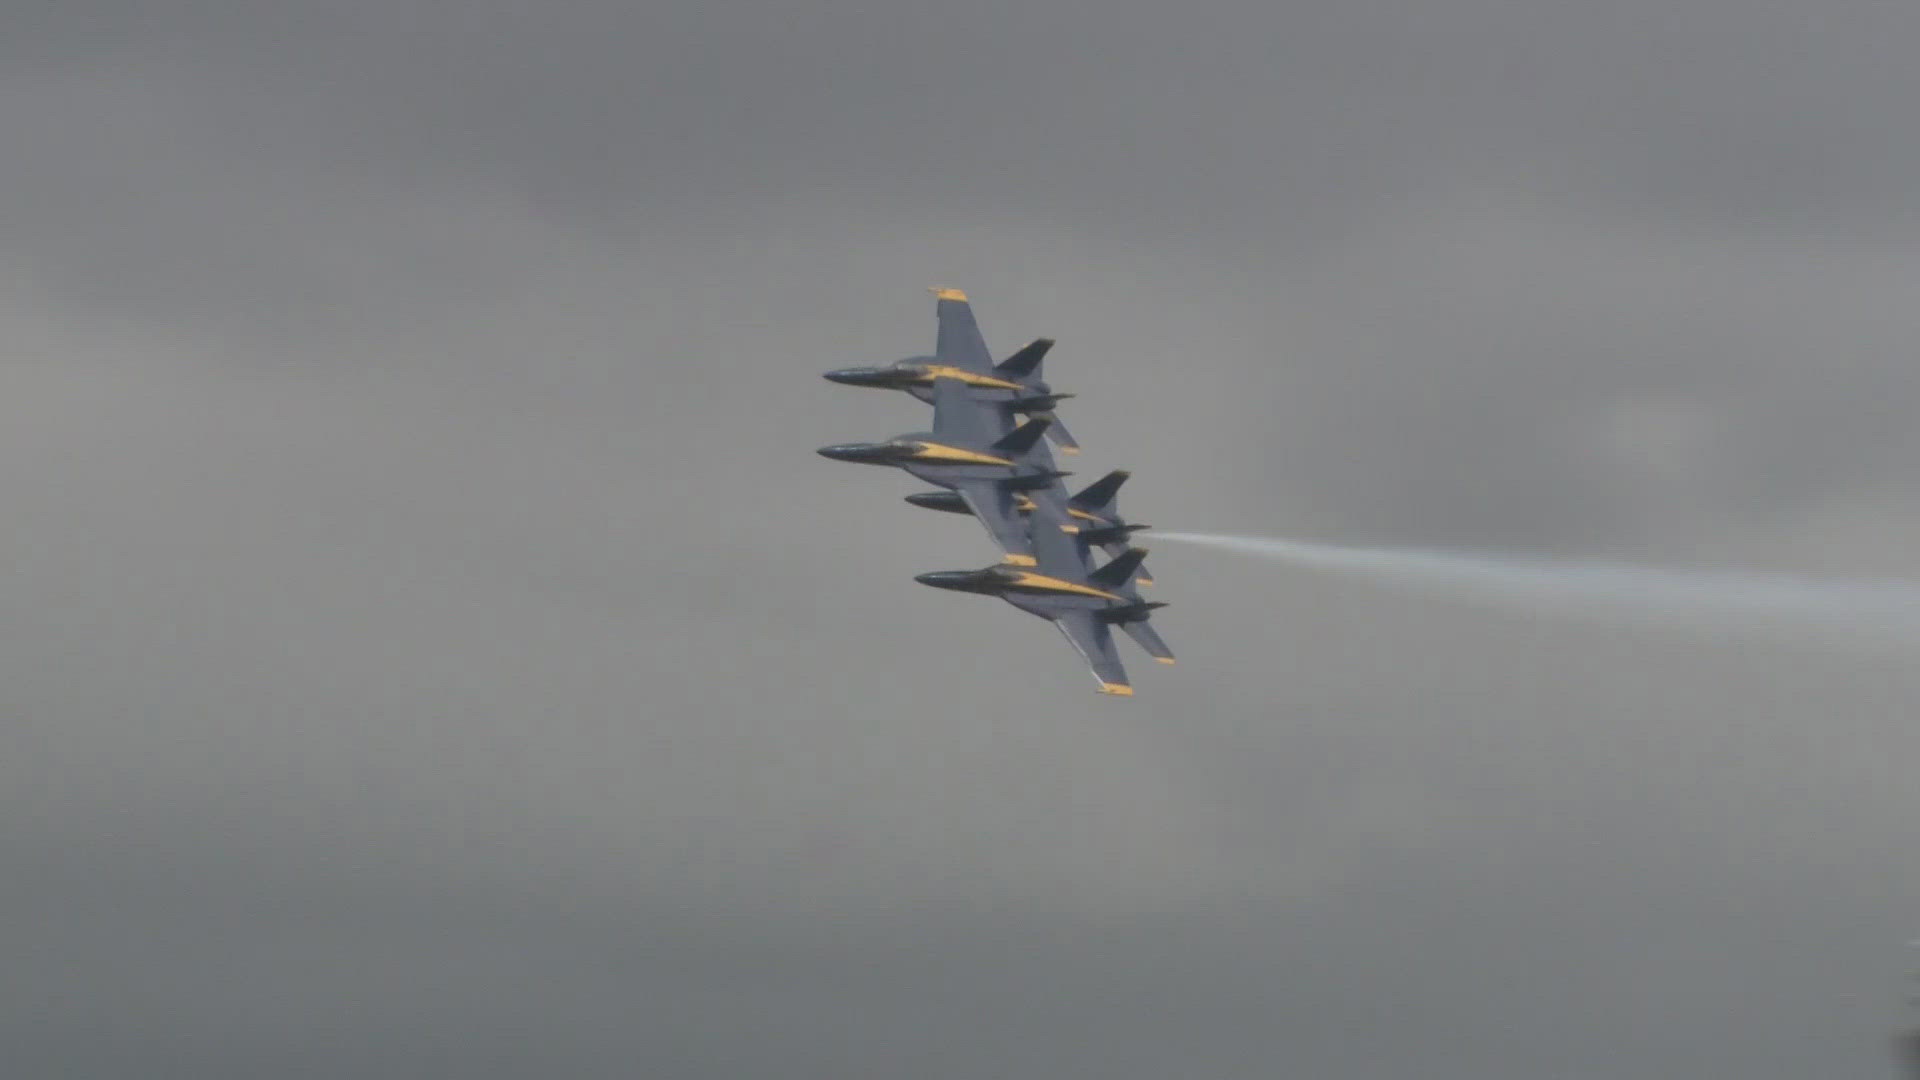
x=1020 y=560
x=1069 y=449
x=1116 y=689
x=1164 y=659
x=1143 y=581
x=941 y=292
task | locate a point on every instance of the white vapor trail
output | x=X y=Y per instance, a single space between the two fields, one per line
x=1781 y=601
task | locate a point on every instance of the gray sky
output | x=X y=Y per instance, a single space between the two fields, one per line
x=432 y=647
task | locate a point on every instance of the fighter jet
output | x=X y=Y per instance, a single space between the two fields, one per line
x=959 y=352
x=1085 y=603
x=967 y=454
x=1095 y=512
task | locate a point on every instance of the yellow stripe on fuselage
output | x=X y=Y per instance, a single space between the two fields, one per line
x=937 y=452
x=971 y=378
x=1024 y=504
x=1043 y=583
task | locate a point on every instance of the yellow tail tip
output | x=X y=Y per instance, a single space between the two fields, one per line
x=1069 y=449
x=1070 y=530
x=1143 y=581
x=1116 y=689
x=942 y=293
x=1164 y=659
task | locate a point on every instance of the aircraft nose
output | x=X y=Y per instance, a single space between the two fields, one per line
x=947 y=579
x=852 y=376
x=860 y=452
x=937 y=500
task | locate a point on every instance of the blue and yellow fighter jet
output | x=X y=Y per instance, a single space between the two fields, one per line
x=968 y=454
x=960 y=353
x=1095 y=512
x=1064 y=588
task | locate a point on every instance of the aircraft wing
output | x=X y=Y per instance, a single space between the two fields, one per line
x=1149 y=640
x=958 y=342
x=960 y=419
x=1059 y=554
x=1093 y=639
x=992 y=504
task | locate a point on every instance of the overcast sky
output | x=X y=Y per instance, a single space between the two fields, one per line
x=429 y=645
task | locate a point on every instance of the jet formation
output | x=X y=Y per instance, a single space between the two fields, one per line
x=988 y=453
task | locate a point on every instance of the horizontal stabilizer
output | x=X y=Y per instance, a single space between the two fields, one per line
x=1035 y=482
x=1110 y=534
x=1058 y=434
x=1119 y=571
x=1101 y=491
x=1132 y=612
x=1022 y=439
x=1037 y=403
x=1025 y=362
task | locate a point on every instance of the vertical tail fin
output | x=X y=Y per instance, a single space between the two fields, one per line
x=1118 y=572
x=1099 y=494
x=1025 y=364
x=1023 y=438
